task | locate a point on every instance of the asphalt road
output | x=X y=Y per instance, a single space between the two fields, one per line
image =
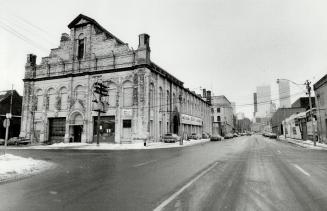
x=246 y=173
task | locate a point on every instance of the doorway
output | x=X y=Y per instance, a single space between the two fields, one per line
x=176 y=124
x=77 y=133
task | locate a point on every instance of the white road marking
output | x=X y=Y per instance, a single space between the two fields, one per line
x=301 y=170
x=172 y=197
x=142 y=164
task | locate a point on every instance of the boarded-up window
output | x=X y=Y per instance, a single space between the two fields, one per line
x=39 y=98
x=63 y=98
x=51 y=99
x=112 y=94
x=127 y=94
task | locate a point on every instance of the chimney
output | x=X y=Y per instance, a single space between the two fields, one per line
x=209 y=97
x=143 y=50
x=204 y=93
x=31 y=60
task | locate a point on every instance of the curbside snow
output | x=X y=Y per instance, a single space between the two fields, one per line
x=14 y=167
x=107 y=146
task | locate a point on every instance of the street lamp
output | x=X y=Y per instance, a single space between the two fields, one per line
x=308 y=87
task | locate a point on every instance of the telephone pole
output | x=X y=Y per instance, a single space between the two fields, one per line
x=102 y=91
x=307 y=83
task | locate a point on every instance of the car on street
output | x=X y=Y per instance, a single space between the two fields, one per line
x=2 y=141
x=170 y=137
x=205 y=135
x=194 y=136
x=18 y=141
x=228 y=136
x=216 y=138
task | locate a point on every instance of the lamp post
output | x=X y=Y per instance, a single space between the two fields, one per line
x=308 y=87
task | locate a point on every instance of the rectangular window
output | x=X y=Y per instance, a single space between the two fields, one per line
x=294 y=130
x=218 y=118
x=127 y=123
x=212 y=110
x=218 y=110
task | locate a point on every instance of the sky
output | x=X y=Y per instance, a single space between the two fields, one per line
x=227 y=46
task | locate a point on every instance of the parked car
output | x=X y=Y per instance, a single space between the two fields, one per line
x=194 y=136
x=228 y=136
x=216 y=138
x=235 y=135
x=205 y=135
x=170 y=137
x=18 y=141
x=2 y=141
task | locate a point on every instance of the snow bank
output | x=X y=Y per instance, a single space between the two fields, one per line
x=305 y=143
x=13 y=167
x=108 y=146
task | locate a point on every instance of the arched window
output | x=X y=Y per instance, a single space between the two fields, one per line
x=39 y=100
x=168 y=101
x=152 y=101
x=80 y=46
x=127 y=94
x=174 y=99
x=161 y=98
x=79 y=92
x=63 y=98
x=51 y=98
x=112 y=92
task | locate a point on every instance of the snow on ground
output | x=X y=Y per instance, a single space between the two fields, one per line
x=14 y=167
x=108 y=146
x=306 y=143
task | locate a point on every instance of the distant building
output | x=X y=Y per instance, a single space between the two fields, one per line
x=222 y=114
x=280 y=115
x=240 y=115
x=320 y=89
x=243 y=125
x=5 y=99
x=284 y=94
x=234 y=107
x=303 y=102
x=264 y=99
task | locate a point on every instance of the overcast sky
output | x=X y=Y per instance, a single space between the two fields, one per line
x=228 y=46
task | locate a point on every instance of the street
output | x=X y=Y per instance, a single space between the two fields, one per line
x=244 y=173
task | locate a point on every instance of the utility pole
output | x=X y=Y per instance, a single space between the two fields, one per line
x=7 y=120
x=307 y=83
x=102 y=91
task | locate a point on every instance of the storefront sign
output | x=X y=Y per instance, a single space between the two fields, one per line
x=190 y=120
x=127 y=112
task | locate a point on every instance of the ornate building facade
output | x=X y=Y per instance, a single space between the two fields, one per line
x=144 y=100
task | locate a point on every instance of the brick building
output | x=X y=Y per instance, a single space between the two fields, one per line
x=320 y=89
x=144 y=102
x=222 y=114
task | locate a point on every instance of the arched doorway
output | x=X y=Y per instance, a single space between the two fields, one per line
x=76 y=127
x=176 y=124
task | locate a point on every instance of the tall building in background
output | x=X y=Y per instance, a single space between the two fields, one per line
x=284 y=94
x=233 y=107
x=255 y=104
x=263 y=100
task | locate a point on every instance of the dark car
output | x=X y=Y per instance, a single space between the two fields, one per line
x=193 y=136
x=18 y=141
x=216 y=138
x=228 y=136
x=170 y=137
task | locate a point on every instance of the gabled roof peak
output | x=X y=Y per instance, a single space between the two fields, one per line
x=81 y=20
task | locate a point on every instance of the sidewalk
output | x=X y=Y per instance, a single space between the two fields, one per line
x=107 y=146
x=306 y=143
